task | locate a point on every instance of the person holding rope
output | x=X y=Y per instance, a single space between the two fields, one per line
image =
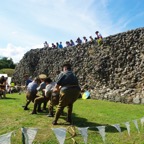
x=31 y=93
x=68 y=87
x=47 y=94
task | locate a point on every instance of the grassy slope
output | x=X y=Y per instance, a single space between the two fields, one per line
x=90 y=113
x=7 y=71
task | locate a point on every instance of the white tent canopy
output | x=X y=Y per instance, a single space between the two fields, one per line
x=5 y=75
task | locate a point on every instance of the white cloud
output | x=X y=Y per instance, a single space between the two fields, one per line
x=14 y=52
x=32 y=22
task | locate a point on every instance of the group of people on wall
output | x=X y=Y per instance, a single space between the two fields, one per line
x=62 y=92
x=79 y=41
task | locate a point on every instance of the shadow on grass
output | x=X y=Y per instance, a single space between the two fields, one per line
x=8 y=98
x=83 y=122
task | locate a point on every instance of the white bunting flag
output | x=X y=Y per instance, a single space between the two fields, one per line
x=136 y=125
x=142 y=121
x=5 y=138
x=29 y=134
x=102 y=132
x=117 y=126
x=83 y=132
x=127 y=124
x=60 y=134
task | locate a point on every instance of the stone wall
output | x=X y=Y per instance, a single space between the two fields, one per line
x=113 y=71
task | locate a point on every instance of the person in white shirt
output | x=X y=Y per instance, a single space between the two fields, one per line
x=31 y=93
x=47 y=95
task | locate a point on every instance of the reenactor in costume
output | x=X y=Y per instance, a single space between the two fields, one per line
x=27 y=80
x=47 y=94
x=69 y=89
x=41 y=92
x=31 y=93
x=54 y=100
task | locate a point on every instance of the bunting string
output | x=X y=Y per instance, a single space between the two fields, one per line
x=60 y=133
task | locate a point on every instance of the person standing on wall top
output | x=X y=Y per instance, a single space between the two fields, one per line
x=68 y=86
x=57 y=45
x=72 y=43
x=85 y=39
x=46 y=45
x=60 y=45
x=99 y=37
x=91 y=39
x=53 y=45
x=79 y=41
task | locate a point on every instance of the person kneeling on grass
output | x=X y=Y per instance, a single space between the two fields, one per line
x=46 y=97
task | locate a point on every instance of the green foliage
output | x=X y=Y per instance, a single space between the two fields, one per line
x=86 y=113
x=6 y=62
x=7 y=71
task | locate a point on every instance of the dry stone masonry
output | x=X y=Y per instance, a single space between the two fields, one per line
x=113 y=71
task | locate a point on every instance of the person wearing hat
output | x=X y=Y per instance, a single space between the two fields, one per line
x=68 y=87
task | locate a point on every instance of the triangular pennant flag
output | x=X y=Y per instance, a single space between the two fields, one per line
x=83 y=132
x=102 y=132
x=60 y=134
x=29 y=134
x=117 y=126
x=136 y=125
x=5 y=138
x=142 y=121
x=127 y=124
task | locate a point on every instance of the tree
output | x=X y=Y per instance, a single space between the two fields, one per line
x=6 y=62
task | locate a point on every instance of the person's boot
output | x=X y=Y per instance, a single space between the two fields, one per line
x=44 y=106
x=33 y=112
x=69 y=120
x=26 y=108
x=54 y=123
x=39 y=109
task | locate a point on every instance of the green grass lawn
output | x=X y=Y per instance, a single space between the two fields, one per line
x=86 y=113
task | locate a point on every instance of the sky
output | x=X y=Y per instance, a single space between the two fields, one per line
x=27 y=24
